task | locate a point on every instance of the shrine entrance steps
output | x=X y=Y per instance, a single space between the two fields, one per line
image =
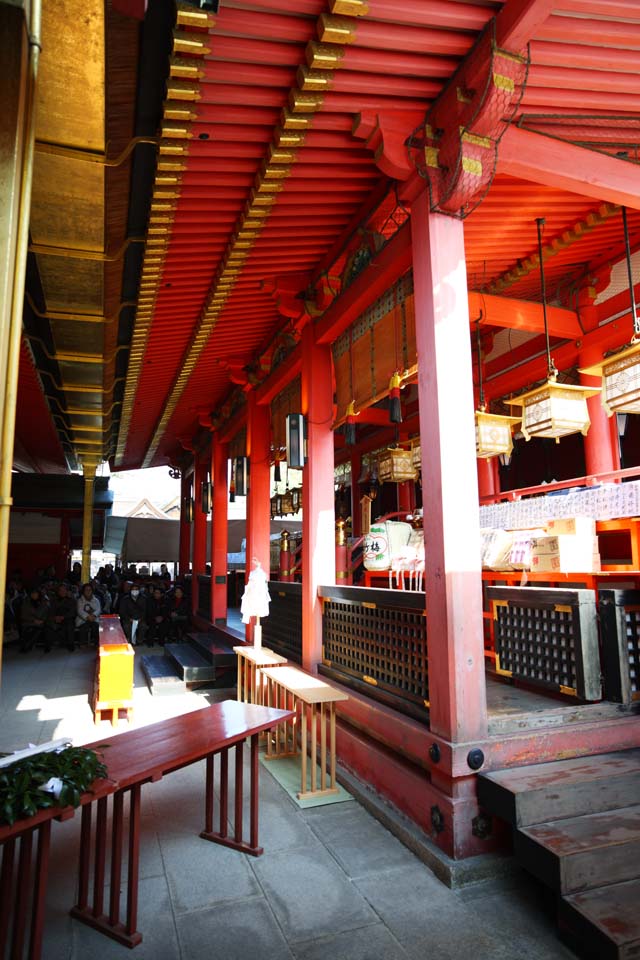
x=203 y=659
x=576 y=827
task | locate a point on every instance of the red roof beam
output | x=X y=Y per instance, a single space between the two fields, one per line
x=565 y=166
x=574 y=78
x=266 y=26
x=600 y=32
x=392 y=36
x=432 y=13
x=405 y=62
x=520 y=20
x=523 y=315
x=588 y=56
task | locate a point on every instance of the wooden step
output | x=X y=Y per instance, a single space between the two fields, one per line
x=543 y=792
x=581 y=853
x=191 y=665
x=218 y=652
x=162 y=677
x=603 y=924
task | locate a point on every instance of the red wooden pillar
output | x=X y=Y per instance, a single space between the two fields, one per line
x=184 y=551
x=318 y=511
x=601 y=449
x=199 y=533
x=258 y=500
x=405 y=497
x=486 y=477
x=219 y=530
x=458 y=710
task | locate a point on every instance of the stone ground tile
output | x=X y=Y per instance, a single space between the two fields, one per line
x=360 y=844
x=370 y=943
x=522 y=911
x=310 y=895
x=155 y=922
x=201 y=873
x=243 y=930
x=410 y=901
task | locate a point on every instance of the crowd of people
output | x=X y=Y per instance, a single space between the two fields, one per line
x=53 y=612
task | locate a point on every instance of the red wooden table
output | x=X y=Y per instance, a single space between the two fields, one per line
x=132 y=758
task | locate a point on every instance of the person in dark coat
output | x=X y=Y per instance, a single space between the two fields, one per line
x=61 y=620
x=133 y=615
x=157 y=617
x=178 y=614
x=33 y=616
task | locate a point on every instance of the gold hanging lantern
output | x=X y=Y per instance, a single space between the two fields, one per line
x=416 y=456
x=287 y=503
x=395 y=464
x=621 y=372
x=493 y=432
x=553 y=409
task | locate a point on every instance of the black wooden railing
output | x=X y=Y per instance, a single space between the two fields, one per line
x=204 y=595
x=282 y=629
x=376 y=642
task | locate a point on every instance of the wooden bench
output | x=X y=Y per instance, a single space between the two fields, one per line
x=132 y=758
x=289 y=688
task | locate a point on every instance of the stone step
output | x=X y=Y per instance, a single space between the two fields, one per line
x=191 y=666
x=581 y=853
x=162 y=677
x=543 y=792
x=603 y=924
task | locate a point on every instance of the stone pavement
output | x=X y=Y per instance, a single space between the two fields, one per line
x=332 y=882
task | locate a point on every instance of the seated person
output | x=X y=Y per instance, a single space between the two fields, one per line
x=61 y=621
x=87 y=613
x=133 y=613
x=178 y=614
x=33 y=615
x=157 y=618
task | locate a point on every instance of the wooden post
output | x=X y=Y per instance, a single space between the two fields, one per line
x=285 y=557
x=184 y=554
x=458 y=709
x=199 y=534
x=89 y=474
x=220 y=530
x=318 y=512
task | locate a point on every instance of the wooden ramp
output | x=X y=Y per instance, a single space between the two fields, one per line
x=577 y=828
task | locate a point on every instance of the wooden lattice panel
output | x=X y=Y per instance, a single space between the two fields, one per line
x=548 y=637
x=384 y=647
x=536 y=643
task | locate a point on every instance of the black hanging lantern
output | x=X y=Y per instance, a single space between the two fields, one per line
x=296 y=440
x=187 y=509
x=205 y=496
x=276 y=472
x=242 y=476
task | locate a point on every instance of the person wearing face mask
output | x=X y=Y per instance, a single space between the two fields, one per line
x=133 y=615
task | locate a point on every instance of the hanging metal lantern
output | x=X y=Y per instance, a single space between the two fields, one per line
x=395 y=464
x=621 y=372
x=416 y=456
x=296 y=499
x=494 y=434
x=287 y=504
x=554 y=409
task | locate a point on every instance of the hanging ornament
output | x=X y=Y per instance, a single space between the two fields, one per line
x=395 y=406
x=350 y=425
